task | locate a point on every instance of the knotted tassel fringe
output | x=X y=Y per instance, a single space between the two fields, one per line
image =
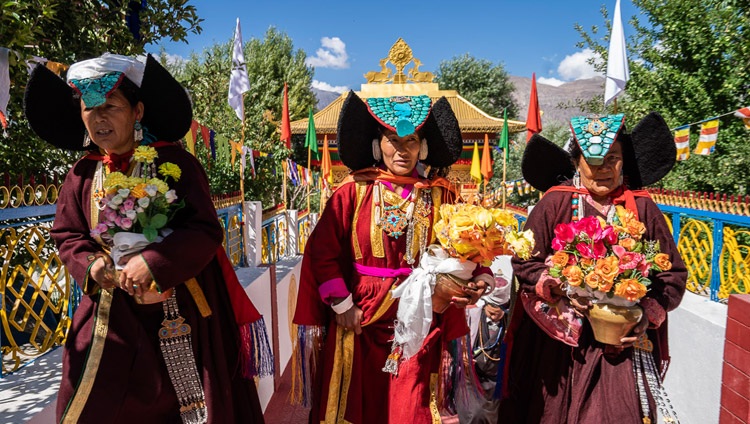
x=256 y=354
x=305 y=356
x=647 y=380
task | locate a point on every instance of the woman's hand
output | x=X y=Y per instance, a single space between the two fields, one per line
x=351 y=319
x=135 y=277
x=581 y=304
x=638 y=330
x=476 y=289
x=103 y=272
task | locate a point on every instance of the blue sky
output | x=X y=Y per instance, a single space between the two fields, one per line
x=344 y=39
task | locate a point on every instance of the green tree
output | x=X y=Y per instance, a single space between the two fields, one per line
x=270 y=62
x=68 y=31
x=479 y=81
x=689 y=60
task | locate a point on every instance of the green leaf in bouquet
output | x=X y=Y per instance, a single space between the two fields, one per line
x=150 y=233
x=554 y=272
x=142 y=219
x=158 y=221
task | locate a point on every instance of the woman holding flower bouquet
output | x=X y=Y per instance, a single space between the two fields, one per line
x=603 y=247
x=372 y=233
x=155 y=338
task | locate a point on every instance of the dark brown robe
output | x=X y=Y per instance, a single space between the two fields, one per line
x=550 y=382
x=132 y=384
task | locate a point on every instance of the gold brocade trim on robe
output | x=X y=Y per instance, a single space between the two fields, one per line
x=93 y=359
x=361 y=190
x=437 y=201
x=434 y=410
x=343 y=362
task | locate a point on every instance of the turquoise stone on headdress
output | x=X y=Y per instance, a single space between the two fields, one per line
x=596 y=135
x=94 y=91
x=405 y=114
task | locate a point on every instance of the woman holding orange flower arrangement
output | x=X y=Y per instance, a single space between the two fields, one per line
x=156 y=340
x=370 y=238
x=602 y=247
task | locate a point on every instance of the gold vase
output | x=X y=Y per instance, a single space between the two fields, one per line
x=611 y=323
x=447 y=287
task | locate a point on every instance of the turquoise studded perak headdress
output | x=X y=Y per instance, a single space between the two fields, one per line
x=403 y=114
x=596 y=135
x=95 y=79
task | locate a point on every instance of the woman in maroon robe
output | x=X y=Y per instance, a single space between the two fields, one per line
x=373 y=229
x=556 y=371
x=114 y=366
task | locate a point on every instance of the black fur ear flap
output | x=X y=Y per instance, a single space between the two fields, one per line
x=545 y=164
x=653 y=149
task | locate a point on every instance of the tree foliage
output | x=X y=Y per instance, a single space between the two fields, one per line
x=689 y=60
x=479 y=81
x=68 y=31
x=270 y=62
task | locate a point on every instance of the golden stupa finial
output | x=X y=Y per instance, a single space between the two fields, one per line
x=399 y=56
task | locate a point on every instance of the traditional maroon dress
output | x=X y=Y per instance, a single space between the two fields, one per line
x=351 y=383
x=548 y=381
x=131 y=383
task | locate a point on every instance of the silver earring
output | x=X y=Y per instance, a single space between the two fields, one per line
x=577 y=180
x=86 y=139
x=423 y=150
x=138 y=131
x=377 y=154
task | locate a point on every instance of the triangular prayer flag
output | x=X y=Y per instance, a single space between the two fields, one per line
x=238 y=81
x=194 y=130
x=325 y=166
x=286 y=128
x=190 y=142
x=744 y=113
x=534 y=117
x=503 y=143
x=311 y=138
x=206 y=134
x=682 y=140
x=707 y=140
x=486 y=160
x=618 y=71
x=236 y=147
x=476 y=168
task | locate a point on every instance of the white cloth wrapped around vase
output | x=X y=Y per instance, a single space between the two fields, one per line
x=415 y=307
x=125 y=243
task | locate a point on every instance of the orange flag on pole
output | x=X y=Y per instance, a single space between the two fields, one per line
x=486 y=168
x=534 y=118
x=286 y=128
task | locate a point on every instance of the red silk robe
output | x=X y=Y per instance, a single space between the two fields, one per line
x=353 y=386
x=132 y=384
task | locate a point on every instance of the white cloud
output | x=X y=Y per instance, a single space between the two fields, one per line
x=550 y=81
x=320 y=85
x=575 y=66
x=332 y=54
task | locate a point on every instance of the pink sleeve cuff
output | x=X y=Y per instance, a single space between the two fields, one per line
x=333 y=288
x=654 y=312
x=545 y=285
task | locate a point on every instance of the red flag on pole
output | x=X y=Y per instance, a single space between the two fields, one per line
x=486 y=160
x=286 y=128
x=534 y=118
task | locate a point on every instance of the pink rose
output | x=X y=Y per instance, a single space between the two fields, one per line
x=588 y=225
x=609 y=235
x=628 y=260
x=109 y=214
x=644 y=267
x=558 y=244
x=128 y=204
x=99 y=229
x=596 y=250
x=565 y=232
x=126 y=223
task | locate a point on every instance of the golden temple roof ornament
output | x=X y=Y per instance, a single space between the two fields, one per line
x=399 y=56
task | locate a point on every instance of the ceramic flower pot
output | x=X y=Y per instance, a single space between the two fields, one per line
x=447 y=287
x=611 y=322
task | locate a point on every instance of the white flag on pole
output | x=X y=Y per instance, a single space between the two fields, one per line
x=617 y=63
x=238 y=82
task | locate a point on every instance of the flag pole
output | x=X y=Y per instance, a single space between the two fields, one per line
x=242 y=141
x=505 y=163
x=309 y=154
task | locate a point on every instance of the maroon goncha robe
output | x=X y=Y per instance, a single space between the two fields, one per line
x=132 y=384
x=550 y=382
x=342 y=237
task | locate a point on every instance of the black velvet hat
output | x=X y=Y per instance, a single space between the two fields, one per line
x=649 y=153
x=53 y=108
x=359 y=122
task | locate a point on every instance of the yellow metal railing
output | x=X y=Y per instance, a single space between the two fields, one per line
x=735 y=263
x=28 y=195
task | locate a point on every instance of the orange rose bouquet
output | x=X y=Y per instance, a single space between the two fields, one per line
x=609 y=263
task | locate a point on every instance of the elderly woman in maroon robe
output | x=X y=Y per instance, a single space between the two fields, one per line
x=157 y=342
x=556 y=371
x=370 y=236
